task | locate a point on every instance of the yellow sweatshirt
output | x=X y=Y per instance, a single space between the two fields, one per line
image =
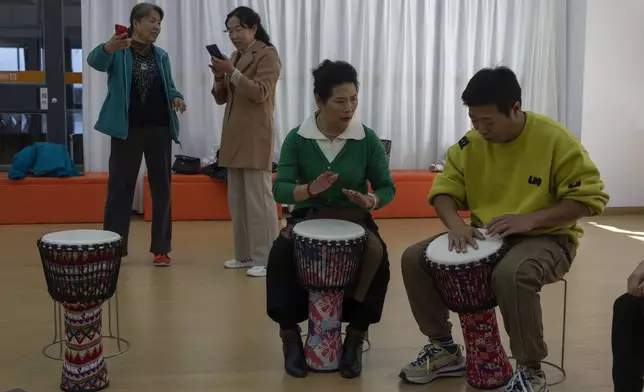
x=543 y=166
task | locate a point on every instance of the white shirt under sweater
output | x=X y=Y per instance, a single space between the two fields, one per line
x=331 y=148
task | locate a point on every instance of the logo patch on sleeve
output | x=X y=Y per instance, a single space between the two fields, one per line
x=574 y=185
x=534 y=180
x=463 y=142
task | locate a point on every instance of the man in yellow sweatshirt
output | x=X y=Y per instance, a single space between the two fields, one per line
x=527 y=179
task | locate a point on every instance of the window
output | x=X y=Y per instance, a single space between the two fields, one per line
x=12 y=59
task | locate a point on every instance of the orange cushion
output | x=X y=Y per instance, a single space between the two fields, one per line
x=196 y=197
x=412 y=189
x=36 y=200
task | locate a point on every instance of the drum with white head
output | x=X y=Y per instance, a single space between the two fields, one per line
x=81 y=270
x=327 y=252
x=81 y=265
x=327 y=258
x=463 y=278
x=464 y=282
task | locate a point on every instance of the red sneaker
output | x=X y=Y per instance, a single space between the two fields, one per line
x=162 y=260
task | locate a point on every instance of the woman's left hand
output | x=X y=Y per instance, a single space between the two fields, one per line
x=364 y=201
x=178 y=105
x=222 y=66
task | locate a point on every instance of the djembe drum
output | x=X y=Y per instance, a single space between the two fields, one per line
x=327 y=258
x=463 y=280
x=81 y=270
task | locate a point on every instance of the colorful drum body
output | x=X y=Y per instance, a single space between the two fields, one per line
x=464 y=283
x=81 y=269
x=327 y=258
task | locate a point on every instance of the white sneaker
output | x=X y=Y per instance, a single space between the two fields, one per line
x=257 y=271
x=239 y=263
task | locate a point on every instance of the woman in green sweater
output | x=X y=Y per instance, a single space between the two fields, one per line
x=325 y=169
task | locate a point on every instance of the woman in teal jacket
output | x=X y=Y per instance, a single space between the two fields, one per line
x=139 y=114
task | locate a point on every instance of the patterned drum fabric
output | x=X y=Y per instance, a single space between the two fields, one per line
x=488 y=366
x=327 y=257
x=84 y=368
x=324 y=341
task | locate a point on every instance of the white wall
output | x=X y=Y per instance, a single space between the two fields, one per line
x=613 y=104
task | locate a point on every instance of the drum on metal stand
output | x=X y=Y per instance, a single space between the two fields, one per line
x=81 y=269
x=463 y=280
x=327 y=258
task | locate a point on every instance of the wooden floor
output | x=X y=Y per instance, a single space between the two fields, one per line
x=198 y=327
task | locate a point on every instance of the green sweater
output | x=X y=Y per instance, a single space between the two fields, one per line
x=359 y=163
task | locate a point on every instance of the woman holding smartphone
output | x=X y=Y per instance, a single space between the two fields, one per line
x=246 y=83
x=139 y=114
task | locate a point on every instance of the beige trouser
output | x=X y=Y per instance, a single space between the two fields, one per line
x=531 y=263
x=253 y=212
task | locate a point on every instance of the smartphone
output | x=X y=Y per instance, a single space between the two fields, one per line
x=215 y=52
x=120 y=29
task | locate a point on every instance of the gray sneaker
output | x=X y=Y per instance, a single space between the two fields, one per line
x=434 y=362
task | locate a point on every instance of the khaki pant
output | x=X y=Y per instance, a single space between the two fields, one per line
x=253 y=212
x=531 y=263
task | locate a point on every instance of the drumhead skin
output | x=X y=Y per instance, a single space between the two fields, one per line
x=438 y=250
x=80 y=237
x=329 y=230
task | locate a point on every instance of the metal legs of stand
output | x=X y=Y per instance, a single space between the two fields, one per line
x=563 y=340
x=59 y=331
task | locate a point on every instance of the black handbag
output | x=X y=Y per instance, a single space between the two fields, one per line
x=213 y=170
x=184 y=164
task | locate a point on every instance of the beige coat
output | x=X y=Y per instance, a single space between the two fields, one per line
x=248 y=129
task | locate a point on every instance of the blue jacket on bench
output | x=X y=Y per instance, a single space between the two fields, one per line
x=43 y=160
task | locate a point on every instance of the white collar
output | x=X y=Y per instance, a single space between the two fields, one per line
x=309 y=130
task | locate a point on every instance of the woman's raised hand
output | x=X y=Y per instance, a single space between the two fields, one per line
x=118 y=42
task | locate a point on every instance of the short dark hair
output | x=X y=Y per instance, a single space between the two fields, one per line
x=329 y=74
x=140 y=11
x=493 y=86
x=249 y=18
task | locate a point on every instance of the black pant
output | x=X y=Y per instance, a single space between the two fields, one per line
x=628 y=343
x=288 y=303
x=125 y=162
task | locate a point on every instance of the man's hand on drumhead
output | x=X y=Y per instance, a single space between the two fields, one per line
x=505 y=225
x=460 y=237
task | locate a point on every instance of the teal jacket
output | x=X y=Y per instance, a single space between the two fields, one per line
x=113 y=118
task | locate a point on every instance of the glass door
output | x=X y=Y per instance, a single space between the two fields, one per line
x=33 y=77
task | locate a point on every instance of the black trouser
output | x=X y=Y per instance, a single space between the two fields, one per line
x=287 y=303
x=628 y=343
x=124 y=166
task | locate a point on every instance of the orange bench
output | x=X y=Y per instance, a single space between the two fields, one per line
x=412 y=189
x=36 y=200
x=198 y=197
x=195 y=197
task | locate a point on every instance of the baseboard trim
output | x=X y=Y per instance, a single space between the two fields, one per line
x=623 y=211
